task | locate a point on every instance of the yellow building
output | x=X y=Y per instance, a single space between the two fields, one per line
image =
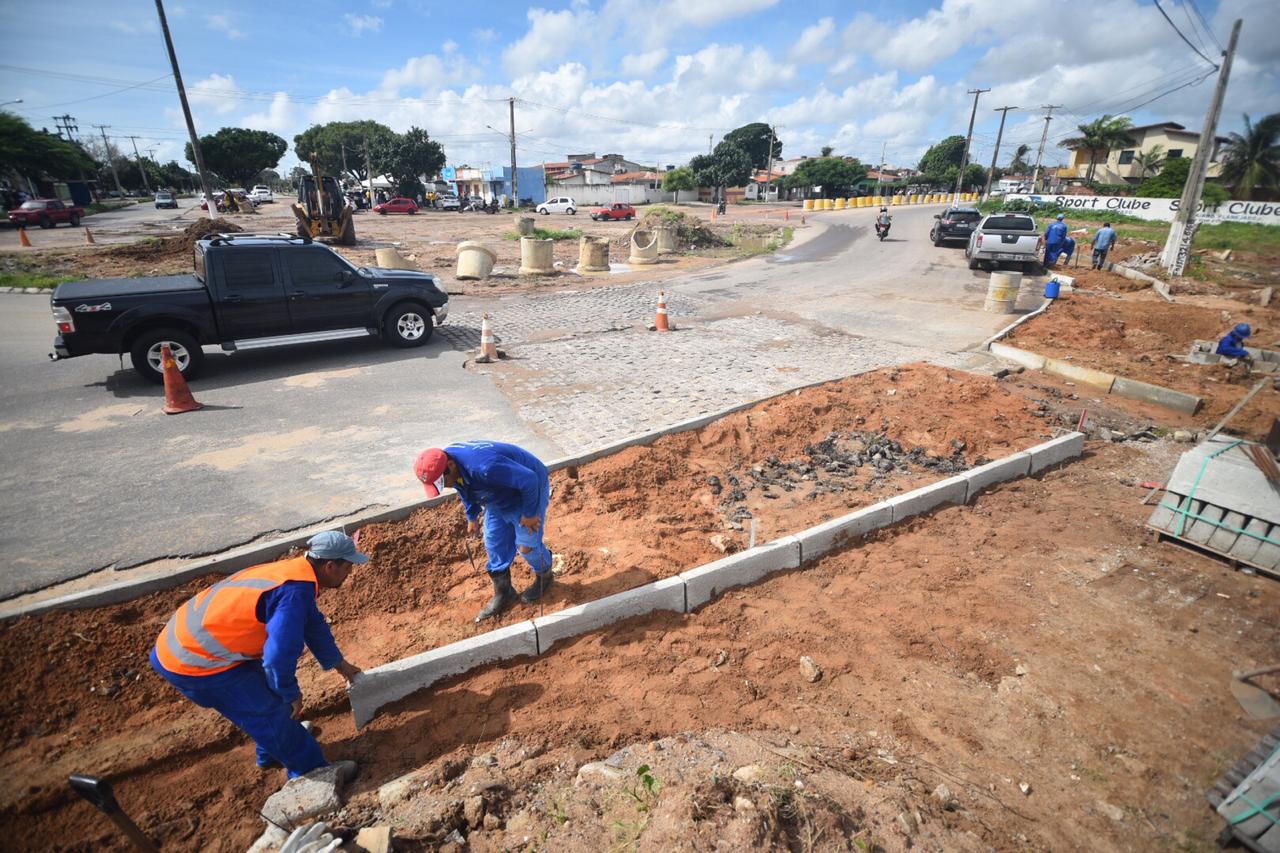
x=1120 y=166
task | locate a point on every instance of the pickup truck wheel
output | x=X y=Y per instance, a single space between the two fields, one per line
x=145 y=354
x=407 y=325
x=75 y=220
x=973 y=263
x=937 y=238
x=46 y=222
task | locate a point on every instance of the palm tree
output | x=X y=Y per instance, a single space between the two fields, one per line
x=1100 y=136
x=1252 y=161
x=1151 y=160
x=1018 y=165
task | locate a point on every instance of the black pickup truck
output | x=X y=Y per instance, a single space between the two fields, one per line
x=248 y=292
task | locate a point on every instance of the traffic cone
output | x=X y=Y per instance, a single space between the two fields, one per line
x=488 y=349
x=660 y=321
x=23 y=238
x=177 y=396
x=88 y=236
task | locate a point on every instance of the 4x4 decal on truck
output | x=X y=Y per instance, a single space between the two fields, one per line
x=90 y=309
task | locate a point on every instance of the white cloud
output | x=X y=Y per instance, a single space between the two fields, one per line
x=217 y=91
x=223 y=24
x=450 y=46
x=136 y=26
x=382 y=4
x=361 y=24
x=484 y=36
x=426 y=73
x=653 y=22
x=642 y=65
x=733 y=68
x=814 y=44
x=552 y=37
x=281 y=117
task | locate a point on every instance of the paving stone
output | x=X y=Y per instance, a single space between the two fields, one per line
x=305 y=798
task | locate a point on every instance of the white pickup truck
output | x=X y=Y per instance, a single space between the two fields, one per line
x=1008 y=238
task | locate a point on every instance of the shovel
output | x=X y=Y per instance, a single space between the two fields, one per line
x=98 y=792
x=1257 y=702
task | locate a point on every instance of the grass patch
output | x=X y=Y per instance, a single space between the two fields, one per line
x=1239 y=236
x=548 y=234
x=35 y=278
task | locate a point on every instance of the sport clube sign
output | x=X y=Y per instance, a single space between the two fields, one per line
x=1164 y=209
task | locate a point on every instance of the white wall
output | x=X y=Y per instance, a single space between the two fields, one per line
x=609 y=194
x=1163 y=209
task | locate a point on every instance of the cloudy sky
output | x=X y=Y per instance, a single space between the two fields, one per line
x=650 y=79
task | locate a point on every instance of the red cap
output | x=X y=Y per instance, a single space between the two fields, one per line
x=430 y=470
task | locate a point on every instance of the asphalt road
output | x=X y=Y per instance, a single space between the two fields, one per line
x=96 y=476
x=121 y=225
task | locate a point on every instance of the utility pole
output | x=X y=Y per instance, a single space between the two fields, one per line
x=880 y=172
x=710 y=136
x=1004 y=113
x=515 y=182
x=186 y=108
x=964 y=161
x=110 y=160
x=369 y=171
x=142 y=171
x=1182 y=230
x=344 y=158
x=66 y=123
x=1044 y=137
x=768 y=178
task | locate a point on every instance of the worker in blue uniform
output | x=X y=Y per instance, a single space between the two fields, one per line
x=1056 y=240
x=510 y=488
x=1232 y=343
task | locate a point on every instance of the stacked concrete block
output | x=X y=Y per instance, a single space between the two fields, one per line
x=1060 y=449
x=707 y=582
x=666 y=594
x=835 y=534
x=396 y=680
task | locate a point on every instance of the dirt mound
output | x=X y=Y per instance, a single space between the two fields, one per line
x=177 y=246
x=691 y=232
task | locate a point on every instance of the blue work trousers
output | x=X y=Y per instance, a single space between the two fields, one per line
x=504 y=534
x=250 y=704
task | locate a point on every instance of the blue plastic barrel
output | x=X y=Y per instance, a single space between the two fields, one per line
x=1051 y=288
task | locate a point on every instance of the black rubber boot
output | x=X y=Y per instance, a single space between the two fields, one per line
x=541 y=583
x=504 y=595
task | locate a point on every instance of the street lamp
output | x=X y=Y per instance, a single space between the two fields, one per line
x=7 y=103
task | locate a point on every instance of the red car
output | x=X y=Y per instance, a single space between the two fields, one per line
x=614 y=211
x=396 y=205
x=45 y=212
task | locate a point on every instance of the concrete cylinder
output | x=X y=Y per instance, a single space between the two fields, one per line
x=593 y=254
x=536 y=257
x=841 y=203
x=524 y=225
x=475 y=260
x=1002 y=292
x=808 y=204
x=391 y=259
x=915 y=199
x=644 y=247
x=668 y=239
x=828 y=204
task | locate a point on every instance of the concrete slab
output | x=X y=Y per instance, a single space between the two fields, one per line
x=666 y=594
x=1229 y=479
x=835 y=534
x=707 y=582
x=1000 y=471
x=1029 y=360
x=952 y=490
x=1083 y=375
x=1060 y=449
x=398 y=679
x=1166 y=397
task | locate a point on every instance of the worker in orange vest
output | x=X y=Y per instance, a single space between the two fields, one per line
x=235 y=646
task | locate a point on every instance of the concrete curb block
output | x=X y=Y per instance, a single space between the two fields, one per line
x=1027 y=359
x=1084 y=375
x=1188 y=404
x=952 y=490
x=666 y=594
x=1060 y=449
x=1002 y=470
x=396 y=680
x=835 y=534
x=1003 y=333
x=707 y=582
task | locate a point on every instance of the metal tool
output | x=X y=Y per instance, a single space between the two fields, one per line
x=1258 y=703
x=98 y=792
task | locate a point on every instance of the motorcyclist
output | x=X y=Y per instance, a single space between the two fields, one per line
x=883 y=220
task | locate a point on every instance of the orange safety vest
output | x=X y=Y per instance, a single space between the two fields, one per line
x=219 y=628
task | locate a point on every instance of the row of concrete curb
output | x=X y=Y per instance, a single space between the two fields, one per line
x=690 y=590
x=1157 y=285
x=37 y=290
x=251 y=555
x=1007 y=330
x=1107 y=383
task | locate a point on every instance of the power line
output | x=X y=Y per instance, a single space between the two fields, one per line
x=104 y=94
x=1184 y=38
x=1205 y=24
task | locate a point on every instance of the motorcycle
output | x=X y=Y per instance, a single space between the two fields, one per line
x=882 y=230
x=491 y=207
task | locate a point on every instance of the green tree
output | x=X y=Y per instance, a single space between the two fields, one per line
x=975 y=177
x=238 y=154
x=941 y=162
x=826 y=150
x=1019 y=165
x=326 y=143
x=727 y=166
x=754 y=139
x=37 y=154
x=408 y=157
x=1171 y=180
x=1251 y=161
x=296 y=174
x=1150 y=160
x=836 y=175
x=678 y=179
x=1100 y=136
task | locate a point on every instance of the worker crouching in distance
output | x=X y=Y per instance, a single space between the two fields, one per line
x=234 y=647
x=510 y=488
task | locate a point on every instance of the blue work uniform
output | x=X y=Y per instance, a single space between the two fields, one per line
x=506 y=483
x=1232 y=345
x=258 y=695
x=1055 y=238
x=1102 y=243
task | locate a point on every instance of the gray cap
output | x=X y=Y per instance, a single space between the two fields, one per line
x=335 y=545
x=1059 y=216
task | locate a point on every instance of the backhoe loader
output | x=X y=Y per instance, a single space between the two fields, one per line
x=324 y=214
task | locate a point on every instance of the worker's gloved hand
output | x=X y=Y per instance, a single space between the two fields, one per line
x=314 y=838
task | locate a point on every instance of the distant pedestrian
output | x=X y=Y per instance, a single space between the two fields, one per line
x=1055 y=238
x=1102 y=243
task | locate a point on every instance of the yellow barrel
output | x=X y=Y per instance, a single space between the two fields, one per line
x=841 y=204
x=828 y=204
x=1002 y=292
x=897 y=199
x=808 y=204
x=915 y=199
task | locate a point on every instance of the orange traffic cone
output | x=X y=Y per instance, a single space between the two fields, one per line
x=660 y=321
x=88 y=236
x=177 y=396
x=23 y=238
x=488 y=349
